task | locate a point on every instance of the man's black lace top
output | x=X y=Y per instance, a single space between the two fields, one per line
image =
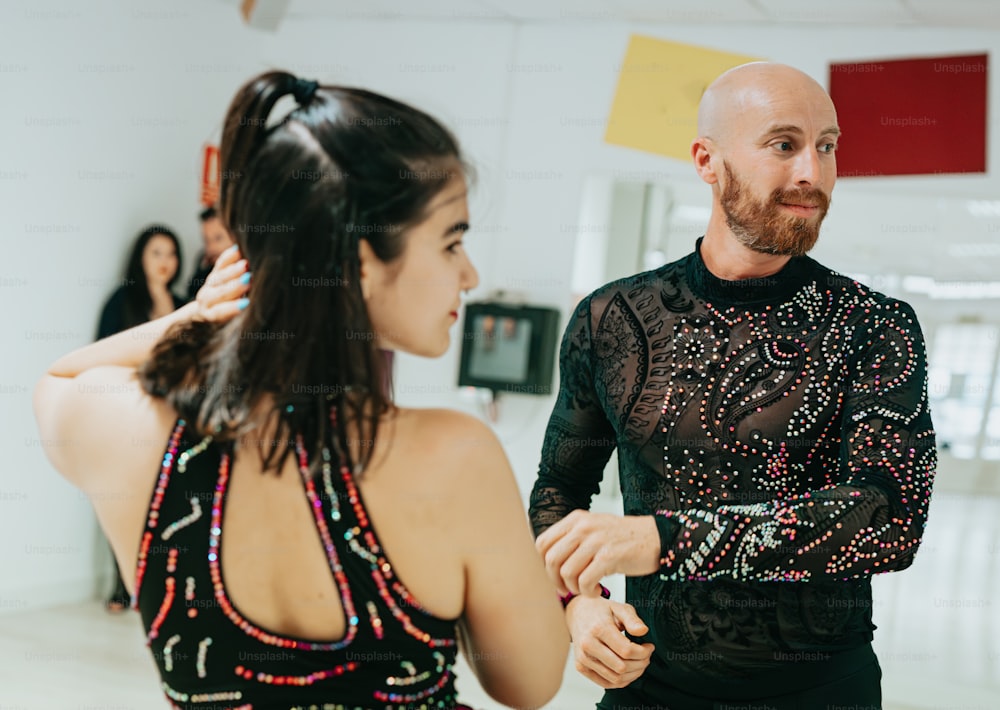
x=778 y=428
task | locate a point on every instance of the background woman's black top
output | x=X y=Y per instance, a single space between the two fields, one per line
x=114 y=318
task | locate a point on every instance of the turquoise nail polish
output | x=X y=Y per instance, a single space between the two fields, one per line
x=245 y=278
x=243 y=303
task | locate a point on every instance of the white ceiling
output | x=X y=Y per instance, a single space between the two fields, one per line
x=974 y=14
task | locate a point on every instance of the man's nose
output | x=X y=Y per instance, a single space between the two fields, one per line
x=807 y=168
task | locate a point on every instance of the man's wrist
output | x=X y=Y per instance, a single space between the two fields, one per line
x=568 y=597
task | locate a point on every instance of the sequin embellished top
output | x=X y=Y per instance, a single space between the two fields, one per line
x=394 y=654
x=777 y=428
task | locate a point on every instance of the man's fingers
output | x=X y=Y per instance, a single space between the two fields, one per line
x=559 y=551
x=640 y=653
x=553 y=534
x=614 y=653
x=609 y=676
x=627 y=650
x=594 y=677
x=623 y=648
x=571 y=566
x=544 y=541
x=601 y=652
x=627 y=619
x=602 y=663
x=590 y=576
x=629 y=677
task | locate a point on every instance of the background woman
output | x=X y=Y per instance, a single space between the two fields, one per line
x=145 y=293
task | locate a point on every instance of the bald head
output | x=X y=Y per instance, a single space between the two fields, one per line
x=750 y=88
x=767 y=145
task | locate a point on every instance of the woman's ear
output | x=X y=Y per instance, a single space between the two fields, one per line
x=368 y=266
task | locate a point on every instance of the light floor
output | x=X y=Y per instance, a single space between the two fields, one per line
x=938 y=639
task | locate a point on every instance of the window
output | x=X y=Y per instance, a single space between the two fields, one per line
x=965 y=407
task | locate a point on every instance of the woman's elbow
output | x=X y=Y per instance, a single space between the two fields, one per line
x=533 y=684
x=526 y=696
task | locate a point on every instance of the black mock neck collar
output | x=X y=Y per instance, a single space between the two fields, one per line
x=774 y=288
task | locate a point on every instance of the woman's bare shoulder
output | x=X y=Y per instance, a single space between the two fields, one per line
x=102 y=424
x=447 y=442
x=448 y=430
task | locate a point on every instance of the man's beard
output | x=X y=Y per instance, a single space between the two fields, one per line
x=761 y=226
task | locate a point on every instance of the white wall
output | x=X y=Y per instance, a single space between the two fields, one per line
x=105 y=113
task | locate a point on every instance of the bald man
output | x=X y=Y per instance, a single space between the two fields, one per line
x=774 y=443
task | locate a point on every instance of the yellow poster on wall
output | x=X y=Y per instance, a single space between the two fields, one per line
x=659 y=86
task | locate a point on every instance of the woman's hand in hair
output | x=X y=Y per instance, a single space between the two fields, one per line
x=224 y=293
x=75 y=413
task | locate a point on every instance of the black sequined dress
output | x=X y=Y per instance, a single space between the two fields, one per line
x=394 y=654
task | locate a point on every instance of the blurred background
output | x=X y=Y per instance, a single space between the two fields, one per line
x=107 y=109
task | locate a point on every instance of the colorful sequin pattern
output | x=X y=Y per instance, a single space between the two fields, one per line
x=779 y=429
x=393 y=654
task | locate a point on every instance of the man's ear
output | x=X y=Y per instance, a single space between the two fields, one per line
x=702 y=152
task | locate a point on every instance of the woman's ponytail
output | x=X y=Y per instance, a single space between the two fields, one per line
x=245 y=128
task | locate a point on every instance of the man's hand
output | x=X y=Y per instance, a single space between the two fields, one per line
x=602 y=653
x=583 y=548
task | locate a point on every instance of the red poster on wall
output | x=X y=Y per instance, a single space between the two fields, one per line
x=911 y=116
x=211 y=175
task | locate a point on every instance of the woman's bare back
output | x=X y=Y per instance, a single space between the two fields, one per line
x=274 y=567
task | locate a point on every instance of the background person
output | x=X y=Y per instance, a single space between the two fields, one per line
x=145 y=293
x=215 y=240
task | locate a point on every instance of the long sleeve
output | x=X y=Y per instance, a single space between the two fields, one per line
x=112 y=315
x=579 y=439
x=869 y=514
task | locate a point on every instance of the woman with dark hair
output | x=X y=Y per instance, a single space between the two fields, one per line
x=298 y=539
x=145 y=293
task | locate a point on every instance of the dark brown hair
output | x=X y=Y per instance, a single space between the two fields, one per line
x=138 y=301
x=348 y=164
